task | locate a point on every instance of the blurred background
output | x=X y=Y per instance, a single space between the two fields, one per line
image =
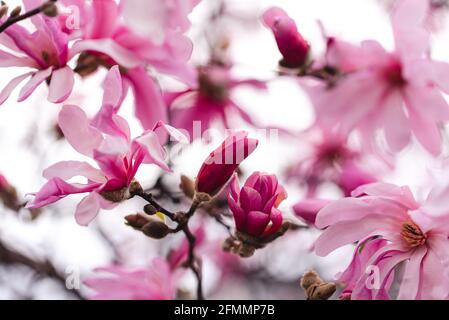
x=39 y=249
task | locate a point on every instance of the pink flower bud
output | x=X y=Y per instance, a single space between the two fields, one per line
x=220 y=165
x=307 y=209
x=291 y=44
x=255 y=205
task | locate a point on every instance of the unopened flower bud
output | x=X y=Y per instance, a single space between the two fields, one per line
x=156 y=229
x=50 y=9
x=187 y=186
x=15 y=12
x=149 y=209
x=116 y=195
x=136 y=221
x=3 y=11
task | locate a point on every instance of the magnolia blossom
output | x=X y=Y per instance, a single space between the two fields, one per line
x=46 y=51
x=291 y=44
x=103 y=31
x=209 y=99
x=412 y=232
x=106 y=139
x=307 y=209
x=398 y=92
x=255 y=205
x=156 y=282
x=330 y=158
x=221 y=163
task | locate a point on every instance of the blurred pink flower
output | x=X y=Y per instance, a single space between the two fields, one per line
x=398 y=92
x=291 y=44
x=107 y=140
x=208 y=100
x=221 y=163
x=330 y=158
x=413 y=236
x=255 y=206
x=156 y=282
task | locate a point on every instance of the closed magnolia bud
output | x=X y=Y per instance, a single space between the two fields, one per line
x=221 y=164
x=149 y=209
x=316 y=288
x=156 y=229
x=3 y=11
x=187 y=186
x=15 y=12
x=49 y=9
x=136 y=221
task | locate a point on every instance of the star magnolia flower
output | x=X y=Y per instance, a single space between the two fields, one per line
x=45 y=50
x=413 y=236
x=398 y=92
x=107 y=140
x=103 y=28
x=221 y=163
x=255 y=206
x=291 y=44
x=331 y=159
x=157 y=282
x=208 y=100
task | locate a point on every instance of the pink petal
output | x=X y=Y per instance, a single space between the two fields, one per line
x=397 y=128
x=238 y=213
x=150 y=145
x=434 y=280
x=149 y=104
x=61 y=84
x=113 y=87
x=256 y=222
x=8 y=89
x=105 y=18
x=68 y=169
x=77 y=130
x=250 y=199
x=33 y=83
x=87 y=209
x=10 y=60
x=276 y=222
x=410 y=280
x=109 y=47
x=307 y=209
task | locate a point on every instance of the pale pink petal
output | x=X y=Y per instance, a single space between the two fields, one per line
x=87 y=209
x=68 y=169
x=149 y=104
x=434 y=280
x=33 y=83
x=150 y=145
x=396 y=126
x=410 y=280
x=61 y=84
x=113 y=87
x=104 y=19
x=9 y=60
x=77 y=130
x=9 y=88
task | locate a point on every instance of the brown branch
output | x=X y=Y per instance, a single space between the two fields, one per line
x=45 y=268
x=14 y=19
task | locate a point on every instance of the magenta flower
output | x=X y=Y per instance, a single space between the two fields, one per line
x=398 y=93
x=255 y=206
x=210 y=99
x=414 y=236
x=221 y=163
x=157 y=282
x=291 y=44
x=47 y=52
x=107 y=140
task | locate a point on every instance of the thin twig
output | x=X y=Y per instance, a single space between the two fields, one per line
x=12 y=20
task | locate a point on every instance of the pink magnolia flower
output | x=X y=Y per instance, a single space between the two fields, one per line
x=413 y=235
x=291 y=44
x=255 y=205
x=221 y=163
x=307 y=209
x=104 y=31
x=330 y=158
x=398 y=92
x=210 y=99
x=107 y=140
x=156 y=282
x=46 y=51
